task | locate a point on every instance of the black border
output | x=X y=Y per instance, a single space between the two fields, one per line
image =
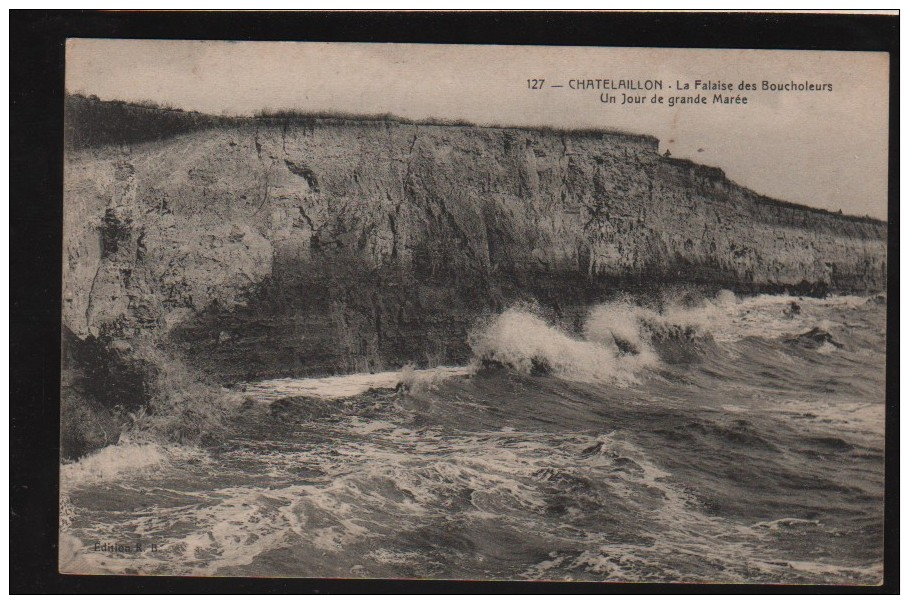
x=36 y=147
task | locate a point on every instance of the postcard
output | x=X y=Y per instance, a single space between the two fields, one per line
x=474 y=312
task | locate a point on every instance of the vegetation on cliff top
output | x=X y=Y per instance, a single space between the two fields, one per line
x=93 y=122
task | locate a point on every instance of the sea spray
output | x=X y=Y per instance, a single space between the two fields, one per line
x=724 y=317
x=618 y=323
x=414 y=380
x=128 y=458
x=623 y=336
x=140 y=393
x=671 y=333
x=520 y=339
x=183 y=408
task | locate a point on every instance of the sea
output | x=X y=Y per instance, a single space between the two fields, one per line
x=731 y=440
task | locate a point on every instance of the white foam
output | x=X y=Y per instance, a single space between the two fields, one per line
x=522 y=340
x=112 y=462
x=617 y=321
x=785 y=523
x=340 y=387
x=725 y=317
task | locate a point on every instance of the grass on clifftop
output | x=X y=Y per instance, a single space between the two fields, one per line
x=93 y=122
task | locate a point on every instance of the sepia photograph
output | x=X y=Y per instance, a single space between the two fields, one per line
x=485 y=312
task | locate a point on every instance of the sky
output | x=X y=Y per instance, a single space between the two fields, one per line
x=826 y=149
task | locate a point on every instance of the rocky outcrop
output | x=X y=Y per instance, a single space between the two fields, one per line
x=275 y=247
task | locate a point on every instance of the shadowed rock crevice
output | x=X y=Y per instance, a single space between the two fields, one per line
x=305 y=173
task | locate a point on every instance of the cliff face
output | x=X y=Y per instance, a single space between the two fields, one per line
x=281 y=247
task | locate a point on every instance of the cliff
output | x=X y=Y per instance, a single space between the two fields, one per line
x=284 y=246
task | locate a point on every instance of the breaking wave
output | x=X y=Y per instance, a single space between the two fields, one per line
x=113 y=463
x=521 y=339
x=621 y=338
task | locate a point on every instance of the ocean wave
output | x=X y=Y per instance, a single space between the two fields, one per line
x=728 y=318
x=113 y=463
x=346 y=386
x=620 y=338
x=521 y=339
